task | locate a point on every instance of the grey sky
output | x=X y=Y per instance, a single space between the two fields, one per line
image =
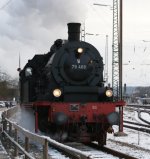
x=29 y=27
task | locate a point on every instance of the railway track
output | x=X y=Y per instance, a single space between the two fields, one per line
x=93 y=151
x=141 y=109
x=139 y=106
x=140 y=115
x=137 y=124
x=137 y=128
x=78 y=150
x=112 y=152
x=130 y=149
x=90 y=151
x=70 y=151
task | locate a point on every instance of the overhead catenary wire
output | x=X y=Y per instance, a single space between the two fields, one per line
x=5 y=5
x=102 y=20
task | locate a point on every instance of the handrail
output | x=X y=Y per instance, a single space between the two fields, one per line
x=44 y=140
x=7 y=130
x=15 y=143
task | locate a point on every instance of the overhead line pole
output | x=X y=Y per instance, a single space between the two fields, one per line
x=120 y=51
x=117 y=58
x=120 y=66
x=115 y=51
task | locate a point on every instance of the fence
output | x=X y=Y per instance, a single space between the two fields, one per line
x=9 y=127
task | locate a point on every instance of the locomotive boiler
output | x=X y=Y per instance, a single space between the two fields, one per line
x=65 y=88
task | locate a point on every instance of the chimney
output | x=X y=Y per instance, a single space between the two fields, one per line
x=74 y=31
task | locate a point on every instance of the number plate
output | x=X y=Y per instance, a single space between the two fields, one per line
x=74 y=107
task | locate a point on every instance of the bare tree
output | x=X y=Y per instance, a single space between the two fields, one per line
x=8 y=86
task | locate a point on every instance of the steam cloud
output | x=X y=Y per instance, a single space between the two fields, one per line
x=29 y=27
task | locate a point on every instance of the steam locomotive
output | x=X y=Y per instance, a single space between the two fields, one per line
x=65 y=88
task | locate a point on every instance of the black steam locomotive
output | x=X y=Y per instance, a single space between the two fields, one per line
x=66 y=89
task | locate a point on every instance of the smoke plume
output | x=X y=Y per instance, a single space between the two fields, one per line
x=29 y=27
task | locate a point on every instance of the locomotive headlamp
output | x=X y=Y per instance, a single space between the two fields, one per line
x=57 y=92
x=80 y=50
x=109 y=93
x=28 y=71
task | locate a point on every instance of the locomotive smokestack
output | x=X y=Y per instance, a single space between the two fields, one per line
x=74 y=31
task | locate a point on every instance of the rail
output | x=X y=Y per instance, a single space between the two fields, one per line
x=140 y=116
x=139 y=106
x=137 y=128
x=112 y=152
x=138 y=124
x=9 y=127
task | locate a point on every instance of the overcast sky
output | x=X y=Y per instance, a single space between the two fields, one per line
x=30 y=27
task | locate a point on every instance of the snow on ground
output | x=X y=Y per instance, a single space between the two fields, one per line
x=132 y=115
x=136 y=138
x=25 y=119
x=146 y=115
x=133 y=137
x=139 y=139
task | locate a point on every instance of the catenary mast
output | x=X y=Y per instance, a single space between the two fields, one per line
x=117 y=57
